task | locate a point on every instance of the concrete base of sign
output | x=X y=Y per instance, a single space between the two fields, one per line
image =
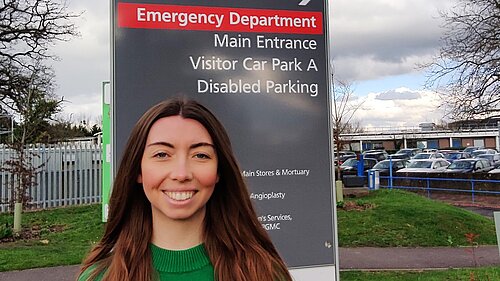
x=353 y=181
x=324 y=273
x=497 y=225
x=339 y=190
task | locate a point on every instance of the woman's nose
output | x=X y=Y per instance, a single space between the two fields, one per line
x=181 y=170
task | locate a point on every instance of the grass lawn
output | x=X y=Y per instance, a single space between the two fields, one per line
x=77 y=228
x=383 y=218
x=487 y=274
x=395 y=218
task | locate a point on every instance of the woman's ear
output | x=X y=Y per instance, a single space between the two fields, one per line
x=139 y=178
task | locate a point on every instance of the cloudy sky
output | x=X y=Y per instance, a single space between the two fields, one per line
x=375 y=45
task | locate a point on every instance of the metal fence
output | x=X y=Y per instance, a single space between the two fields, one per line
x=479 y=185
x=69 y=174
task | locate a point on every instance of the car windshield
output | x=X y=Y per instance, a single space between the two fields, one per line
x=350 y=163
x=486 y=156
x=420 y=164
x=422 y=156
x=458 y=165
x=405 y=151
x=382 y=165
x=471 y=149
x=477 y=152
x=452 y=156
x=399 y=156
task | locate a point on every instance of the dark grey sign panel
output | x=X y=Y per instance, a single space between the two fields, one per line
x=261 y=67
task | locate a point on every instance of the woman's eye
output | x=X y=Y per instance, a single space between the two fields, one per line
x=161 y=155
x=202 y=156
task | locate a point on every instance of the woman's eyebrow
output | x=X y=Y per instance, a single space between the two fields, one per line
x=201 y=144
x=194 y=145
x=161 y=143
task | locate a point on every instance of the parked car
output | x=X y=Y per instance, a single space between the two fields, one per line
x=470 y=149
x=376 y=154
x=403 y=156
x=409 y=151
x=471 y=165
x=425 y=166
x=350 y=167
x=428 y=155
x=452 y=156
x=493 y=158
x=344 y=158
x=345 y=152
x=343 y=155
x=494 y=171
x=384 y=166
x=477 y=152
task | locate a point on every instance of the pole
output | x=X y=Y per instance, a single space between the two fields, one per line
x=12 y=129
x=498 y=139
x=496 y=215
x=106 y=151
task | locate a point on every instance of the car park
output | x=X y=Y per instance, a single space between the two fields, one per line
x=471 y=165
x=428 y=155
x=425 y=166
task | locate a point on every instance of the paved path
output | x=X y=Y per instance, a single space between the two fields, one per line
x=365 y=258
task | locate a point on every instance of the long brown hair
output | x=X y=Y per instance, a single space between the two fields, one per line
x=238 y=246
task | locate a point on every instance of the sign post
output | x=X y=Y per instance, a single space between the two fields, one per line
x=262 y=68
x=106 y=150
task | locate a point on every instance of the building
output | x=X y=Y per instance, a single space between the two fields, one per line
x=427 y=135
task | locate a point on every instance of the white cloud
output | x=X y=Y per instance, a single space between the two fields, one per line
x=373 y=39
x=407 y=108
x=88 y=106
x=85 y=60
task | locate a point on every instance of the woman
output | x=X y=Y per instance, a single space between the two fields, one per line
x=180 y=209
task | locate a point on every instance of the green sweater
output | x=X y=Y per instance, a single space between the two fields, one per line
x=186 y=265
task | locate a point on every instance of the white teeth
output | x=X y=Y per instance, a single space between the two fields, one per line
x=180 y=196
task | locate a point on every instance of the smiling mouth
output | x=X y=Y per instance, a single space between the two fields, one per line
x=179 y=196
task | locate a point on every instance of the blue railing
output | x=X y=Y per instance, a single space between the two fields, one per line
x=427 y=185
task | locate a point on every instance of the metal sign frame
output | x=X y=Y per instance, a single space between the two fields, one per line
x=264 y=167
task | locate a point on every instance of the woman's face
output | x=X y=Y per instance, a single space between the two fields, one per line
x=178 y=169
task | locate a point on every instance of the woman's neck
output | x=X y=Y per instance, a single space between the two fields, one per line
x=177 y=234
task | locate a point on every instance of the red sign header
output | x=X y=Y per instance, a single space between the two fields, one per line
x=152 y=16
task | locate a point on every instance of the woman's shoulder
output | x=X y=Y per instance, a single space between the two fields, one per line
x=85 y=275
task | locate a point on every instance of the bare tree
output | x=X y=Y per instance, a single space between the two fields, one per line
x=344 y=108
x=28 y=28
x=35 y=105
x=467 y=70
